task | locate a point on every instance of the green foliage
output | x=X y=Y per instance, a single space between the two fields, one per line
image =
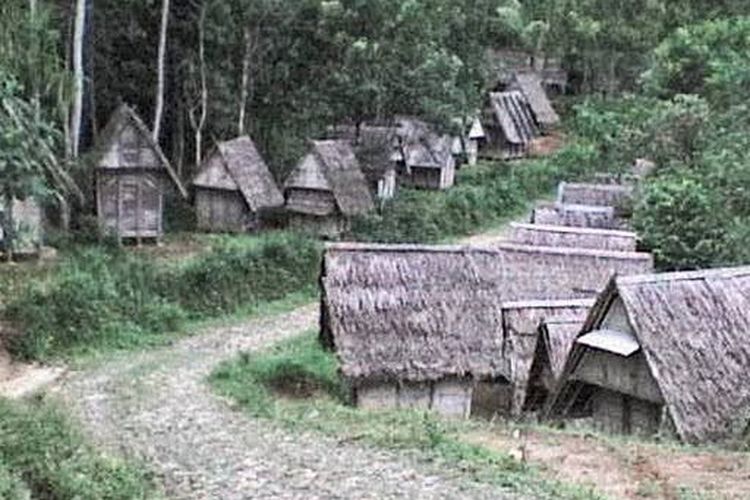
x=41 y=454
x=711 y=59
x=683 y=222
x=110 y=300
x=484 y=195
x=296 y=383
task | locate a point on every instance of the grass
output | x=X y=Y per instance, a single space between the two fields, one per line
x=42 y=456
x=296 y=385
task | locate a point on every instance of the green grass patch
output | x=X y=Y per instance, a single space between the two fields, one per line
x=42 y=456
x=296 y=384
x=102 y=300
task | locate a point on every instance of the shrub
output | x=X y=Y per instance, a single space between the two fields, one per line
x=101 y=299
x=39 y=447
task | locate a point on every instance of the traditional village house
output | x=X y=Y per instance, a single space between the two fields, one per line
x=520 y=325
x=28 y=221
x=404 y=319
x=530 y=85
x=377 y=149
x=555 y=339
x=664 y=353
x=577 y=237
x=132 y=177
x=466 y=146
x=509 y=126
x=583 y=216
x=428 y=160
x=234 y=189
x=326 y=189
x=619 y=196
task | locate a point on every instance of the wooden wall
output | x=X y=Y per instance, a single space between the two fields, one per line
x=450 y=398
x=130 y=204
x=223 y=211
x=618 y=413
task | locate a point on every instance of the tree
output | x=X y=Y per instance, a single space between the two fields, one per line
x=27 y=159
x=161 y=62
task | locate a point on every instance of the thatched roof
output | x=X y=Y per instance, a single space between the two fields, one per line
x=423 y=147
x=513 y=115
x=692 y=328
x=557 y=336
x=603 y=195
x=423 y=312
x=521 y=324
x=580 y=237
x=530 y=84
x=125 y=133
x=236 y=165
x=584 y=216
x=332 y=166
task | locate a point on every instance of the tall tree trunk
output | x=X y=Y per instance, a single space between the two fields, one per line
x=76 y=117
x=245 y=80
x=198 y=123
x=9 y=228
x=161 y=59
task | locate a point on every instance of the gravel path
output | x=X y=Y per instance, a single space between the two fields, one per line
x=157 y=407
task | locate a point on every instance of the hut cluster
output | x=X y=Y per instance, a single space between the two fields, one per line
x=563 y=320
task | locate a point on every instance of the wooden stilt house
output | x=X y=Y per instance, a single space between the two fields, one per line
x=428 y=160
x=234 y=189
x=132 y=177
x=664 y=353
x=509 y=126
x=326 y=189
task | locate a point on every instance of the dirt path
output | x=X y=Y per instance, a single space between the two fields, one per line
x=626 y=469
x=157 y=407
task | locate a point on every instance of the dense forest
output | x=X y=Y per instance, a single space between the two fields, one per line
x=648 y=78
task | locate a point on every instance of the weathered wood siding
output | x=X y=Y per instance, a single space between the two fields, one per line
x=326 y=226
x=130 y=204
x=223 y=211
x=628 y=375
x=618 y=413
x=450 y=398
x=433 y=178
x=386 y=187
x=310 y=201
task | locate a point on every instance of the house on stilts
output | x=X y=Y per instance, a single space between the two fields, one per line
x=234 y=189
x=326 y=189
x=133 y=178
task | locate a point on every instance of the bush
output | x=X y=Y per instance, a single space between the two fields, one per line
x=43 y=455
x=483 y=196
x=683 y=223
x=107 y=299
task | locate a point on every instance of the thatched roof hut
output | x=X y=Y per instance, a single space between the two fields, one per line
x=521 y=323
x=327 y=188
x=509 y=125
x=577 y=237
x=585 y=216
x=132 y=175
x=428 y=159
x=530 y=84
x=234 y=188
x=661 y=352
x=603 y=195
x=555 y=340
x=417 y=314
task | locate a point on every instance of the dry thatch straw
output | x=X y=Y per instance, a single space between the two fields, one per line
x=521 y=323
x=530 y=84
x=417 y=313
x=562 y=236
x=692 y=329
x=590 y=216
x=601 y=195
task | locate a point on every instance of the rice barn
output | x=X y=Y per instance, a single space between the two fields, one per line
x=326 y=189
x=665 y=353
x=421 y=326
x=234 y=189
